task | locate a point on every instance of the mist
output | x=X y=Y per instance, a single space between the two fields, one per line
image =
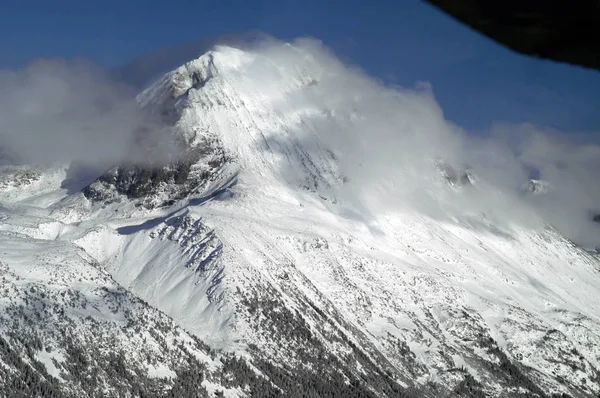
x=59 y=111
x=387 y=140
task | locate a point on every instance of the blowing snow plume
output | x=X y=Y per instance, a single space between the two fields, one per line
x=392 y=145
x=71 y=111
x=389 y=143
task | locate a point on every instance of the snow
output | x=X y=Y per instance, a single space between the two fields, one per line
x=48 y=358
x=392 y=274
x=30 y=186
x=212 y=388
x=160 y=371
x=156 y=270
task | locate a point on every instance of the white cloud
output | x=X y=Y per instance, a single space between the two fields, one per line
x=386 y=138
x=60 y=111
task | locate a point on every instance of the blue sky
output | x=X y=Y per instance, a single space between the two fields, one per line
x=476 y=81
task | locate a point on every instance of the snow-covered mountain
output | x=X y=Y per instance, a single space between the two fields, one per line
x=271 y=256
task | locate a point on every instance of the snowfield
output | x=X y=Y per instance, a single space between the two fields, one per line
x=300 y=261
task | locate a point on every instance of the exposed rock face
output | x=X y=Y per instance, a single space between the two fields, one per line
x=15 y=176
x=455 y=177
x=161 y=185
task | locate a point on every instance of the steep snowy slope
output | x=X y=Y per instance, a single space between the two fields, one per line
x=333 y=273
x=67 y=329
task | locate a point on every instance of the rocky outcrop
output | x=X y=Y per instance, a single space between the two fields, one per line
x=160 y=185
x=536 y=187
x=455 y=177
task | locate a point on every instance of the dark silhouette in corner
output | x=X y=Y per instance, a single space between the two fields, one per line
x=563 y=31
